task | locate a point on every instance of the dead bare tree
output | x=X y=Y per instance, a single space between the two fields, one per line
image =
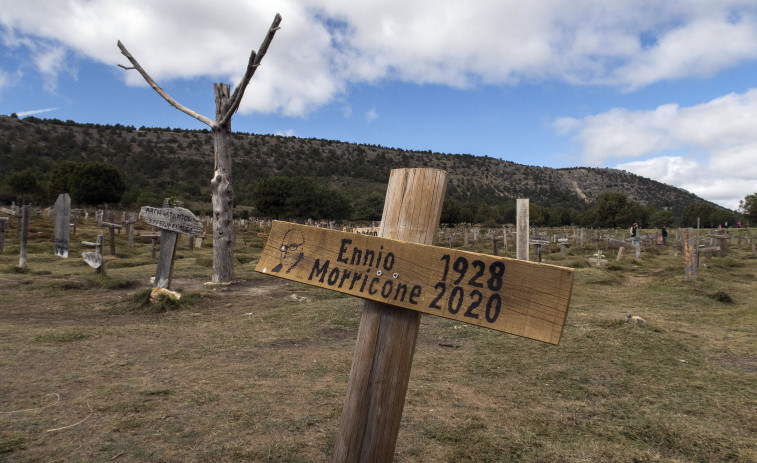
x=223 y=194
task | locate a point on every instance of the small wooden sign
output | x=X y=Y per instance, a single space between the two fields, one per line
x=94 y=259
x=171 y=221
x=514 y=296
x=175 y=219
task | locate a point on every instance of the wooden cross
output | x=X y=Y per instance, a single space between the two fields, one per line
x=112 y=235
x=171 y=222
x=95 y=259
x=130 y=229
x=154 y=235
x=400 y=270
x=537 y=247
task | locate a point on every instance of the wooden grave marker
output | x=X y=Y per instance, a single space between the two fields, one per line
x=130 y=228
x=95 y=259
x=112 y=234
x=521 y=230
x=504 y=294
x=171 y=222
x=400 y=270
x=154 y=235
x=62 y=224
x=24 y=226
x=538 y=244
x=689 y=254
x=3 y=221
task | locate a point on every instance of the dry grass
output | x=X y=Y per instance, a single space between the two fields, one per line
x=246 y=373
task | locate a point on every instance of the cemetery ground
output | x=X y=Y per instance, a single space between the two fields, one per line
x=90 y=370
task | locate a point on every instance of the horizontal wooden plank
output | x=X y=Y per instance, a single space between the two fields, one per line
x=111 y=225
x=518 y=297
x=175 y=219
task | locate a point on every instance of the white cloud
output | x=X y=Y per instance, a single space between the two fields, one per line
x=4 y=80
x=326 y=45
x=718 y=141
x=371 y=115
x=35 y=111
x=285 y=133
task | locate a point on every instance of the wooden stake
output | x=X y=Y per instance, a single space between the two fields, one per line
x=24 y=235
x=521 y=246
x=386 y=338
x=689 y=252
x=3 y=221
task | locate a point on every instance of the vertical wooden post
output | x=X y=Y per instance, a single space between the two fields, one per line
x=3 y=220
x=112 y=235
x=24 y=235
x=386 y=338
x=521 y=248
x=62 y=224
x=689 y=250
x=99 y=250
x=164 y=270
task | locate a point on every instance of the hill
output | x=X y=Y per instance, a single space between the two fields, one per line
x=161 y=161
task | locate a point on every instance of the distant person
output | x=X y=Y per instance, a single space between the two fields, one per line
x=664 y=235
x=634 y=233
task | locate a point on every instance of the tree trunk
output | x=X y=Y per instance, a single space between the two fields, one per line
x=223 y=194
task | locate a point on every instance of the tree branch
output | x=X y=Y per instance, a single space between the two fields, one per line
x=161 y=92
x=252 y=65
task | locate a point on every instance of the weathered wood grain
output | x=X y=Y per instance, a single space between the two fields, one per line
x=514 y=296
x=175 y=219
x=386 y=338
x=521 y=248
x=164 y=269
x=62 y=224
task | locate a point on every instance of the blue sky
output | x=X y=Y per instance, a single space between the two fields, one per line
x=661 y=89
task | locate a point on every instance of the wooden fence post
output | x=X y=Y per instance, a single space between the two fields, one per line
x=689 y=251
x=24 y=235
x=386 y=338
x=521 y=248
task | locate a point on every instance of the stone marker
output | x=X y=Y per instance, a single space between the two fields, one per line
x=62 y=224
x=171 y=221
